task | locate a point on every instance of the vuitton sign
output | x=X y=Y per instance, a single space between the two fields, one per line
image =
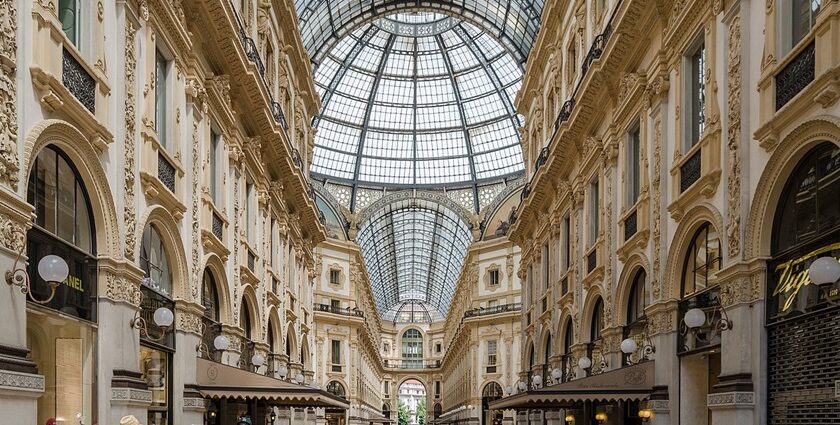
x=793 y=289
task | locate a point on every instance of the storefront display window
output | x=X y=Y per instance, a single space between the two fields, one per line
x=155 y=367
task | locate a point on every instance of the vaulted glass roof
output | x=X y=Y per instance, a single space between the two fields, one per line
x=417 y=99
x=514 y=23
x=413 y=251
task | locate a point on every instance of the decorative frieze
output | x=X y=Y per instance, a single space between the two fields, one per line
x=21 y=382
x=731 y=400
x=733 y=216
x=9 y=166
x=129 y=169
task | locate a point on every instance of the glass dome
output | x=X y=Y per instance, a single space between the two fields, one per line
x=417 y=99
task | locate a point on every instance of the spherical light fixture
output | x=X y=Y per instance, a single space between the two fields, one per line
x=629 y=346
x=257 y=360
x=556 y=374
x=645 y=413
x=823 y=270
x=164 y=317
x=508 y=390
x=299 y=378
x=584 y=362
x=53 y=268
x=537 y=380
x=282 y=372
x=221 y=343
x=600 y=417
x=570 y=418
x=522 y=386
x=694 y=318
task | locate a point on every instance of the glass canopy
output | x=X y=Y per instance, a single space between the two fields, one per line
x=417 y=99
x=413 y=251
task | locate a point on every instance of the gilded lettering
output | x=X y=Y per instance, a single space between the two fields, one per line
x=793 y=277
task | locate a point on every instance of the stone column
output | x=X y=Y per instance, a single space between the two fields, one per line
x=661 y=330
x=188 y=404
x=20 y=383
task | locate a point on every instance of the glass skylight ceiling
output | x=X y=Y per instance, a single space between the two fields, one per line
x=413 y=251
x=429 y=109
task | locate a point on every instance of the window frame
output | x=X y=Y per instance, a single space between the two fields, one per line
x=594 y=216
x=694 y=102
x=633 y=165
x=162 y=95
x=690 y=253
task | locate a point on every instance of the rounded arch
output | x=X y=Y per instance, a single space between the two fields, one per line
x=492 y=389
x=567 y=334
x=545 y=348
x=594 y=300
x=274 y=332
x=337 y=387
x=213 y=264
x=413 y=377
x=167 y=228
x=85 y=159
x=249 y=298
x=686 y=230
x=784 y=159
x=291 y=348
x=635 y=263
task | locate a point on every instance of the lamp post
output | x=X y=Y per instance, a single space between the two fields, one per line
x=163 y=318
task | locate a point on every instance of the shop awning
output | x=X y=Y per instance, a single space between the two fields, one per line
x=216 y=380
x=628 y=383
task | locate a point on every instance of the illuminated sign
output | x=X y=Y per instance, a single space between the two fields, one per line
x=794 y=276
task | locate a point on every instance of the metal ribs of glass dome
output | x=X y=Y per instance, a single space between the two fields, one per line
x=413 y=251
x=417 y=111
x=324 y=22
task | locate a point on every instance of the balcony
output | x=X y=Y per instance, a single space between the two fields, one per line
x=482 y=311
x=412 y=364
x=796 y=75
x=344 y=311
x=706 y=336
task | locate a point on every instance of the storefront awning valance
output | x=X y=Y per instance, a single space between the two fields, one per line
x=628 y=383
x=216 y=380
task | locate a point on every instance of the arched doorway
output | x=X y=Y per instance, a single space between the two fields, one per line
x=492 y=391
x=336 y=416
x=412 y=403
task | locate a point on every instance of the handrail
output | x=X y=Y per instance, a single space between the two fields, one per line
x=339 y=310
x=482 y=311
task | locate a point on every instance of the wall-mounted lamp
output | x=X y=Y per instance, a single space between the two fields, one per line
x=299 y=378
x=522 y=386
x=601 y=417
x=630 y=346
x=570 y=419
x=645 y=414
x=584 y=362
x=282 y=371
x=272 y=416
x=825 y=271
x=52 y=268
x=537 y=381
x=163 y=318
x=508 y=390
x=220 y=342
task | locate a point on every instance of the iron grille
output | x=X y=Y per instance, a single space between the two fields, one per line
x=77 y=80
x=707 y=335
x=277 y=111
x=596 y=50
x=480 y=311
x=803 y=367
x=218 y=227
x=150 y=303
x=251 y=260
x=630 y=226
x=690 y=171
x=565 y=113
x=592 y=261
x=166 y=173
x=296 y=158
x=794 y=77
x=543 y=158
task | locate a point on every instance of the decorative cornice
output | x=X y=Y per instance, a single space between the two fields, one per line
x=20 y=382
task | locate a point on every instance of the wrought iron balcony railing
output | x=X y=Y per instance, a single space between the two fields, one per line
x=482 y=311
x=344 y=311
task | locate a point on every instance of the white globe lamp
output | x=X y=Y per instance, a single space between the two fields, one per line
x=584 y=362
x=164 y=317
x=823 y=270
x=221 y=343
x=629 y=346
x=53 y=268
x=694 y=318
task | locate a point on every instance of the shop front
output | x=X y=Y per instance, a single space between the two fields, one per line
x=613 y=397
x=61 y=310
x=803 y=305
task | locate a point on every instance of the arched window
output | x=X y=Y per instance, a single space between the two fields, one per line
x=637 y=301
x=492 y=390
x=245 y=319
x=438 y=410
x=209 y=297
x=386 y=411
x=62 y=208
x=810 y=204
x=532 y=356
x=702 y=259
x=412 y=348
x=568 y=338
x=547 y=350
x=155 y=262
x=63 y=226
x=335 y=388
x=597 y=321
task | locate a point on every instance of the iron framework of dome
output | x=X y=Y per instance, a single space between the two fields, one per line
x=413 y=251
x=421 y=111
